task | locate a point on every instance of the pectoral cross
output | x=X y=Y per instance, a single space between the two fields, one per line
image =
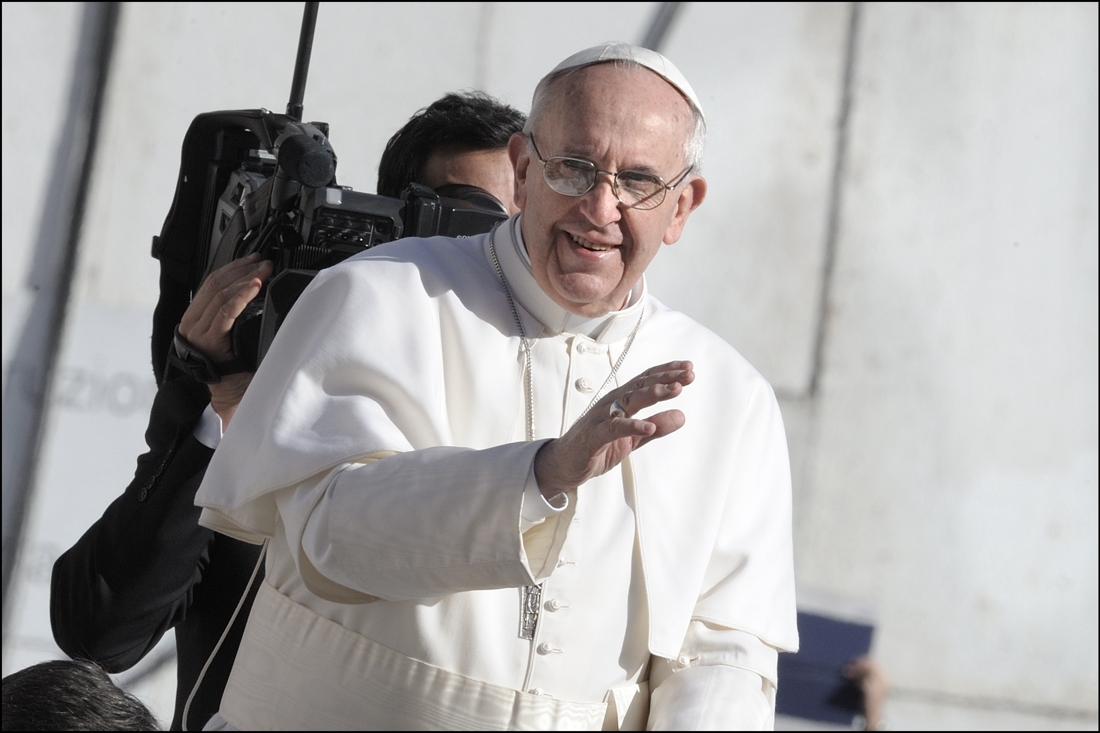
x=530 y=602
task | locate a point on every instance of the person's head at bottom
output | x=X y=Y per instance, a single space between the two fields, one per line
x=71 y=695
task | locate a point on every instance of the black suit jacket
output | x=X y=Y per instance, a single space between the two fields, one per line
x=146 y=566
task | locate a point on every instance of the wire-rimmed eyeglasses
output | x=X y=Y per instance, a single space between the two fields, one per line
x=576 y=177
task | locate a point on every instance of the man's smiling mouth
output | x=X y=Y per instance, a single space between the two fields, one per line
x=594 y=246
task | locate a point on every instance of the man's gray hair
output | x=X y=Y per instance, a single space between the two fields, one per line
x=550 y=85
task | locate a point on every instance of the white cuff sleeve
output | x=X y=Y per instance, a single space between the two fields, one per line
x=724 y=679
x=209 y=430
x=535 y=508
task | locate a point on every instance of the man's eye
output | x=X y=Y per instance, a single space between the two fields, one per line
x=637 y=179
x=577 y=165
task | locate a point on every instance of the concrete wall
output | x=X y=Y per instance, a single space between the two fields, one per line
x=901 y=234
x=953 y=470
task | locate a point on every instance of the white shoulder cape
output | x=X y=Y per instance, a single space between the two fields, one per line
x=412 y=345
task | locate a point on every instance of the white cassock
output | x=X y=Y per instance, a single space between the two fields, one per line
x=381 y=447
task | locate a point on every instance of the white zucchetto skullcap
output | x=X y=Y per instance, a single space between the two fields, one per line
x=652 y=60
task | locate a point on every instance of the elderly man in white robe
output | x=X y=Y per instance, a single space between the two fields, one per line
x=502 y=485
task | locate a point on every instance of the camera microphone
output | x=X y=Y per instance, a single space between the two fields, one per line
x=307 y=161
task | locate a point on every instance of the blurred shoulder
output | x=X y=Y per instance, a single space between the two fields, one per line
x=429 y=252
x=431 y=261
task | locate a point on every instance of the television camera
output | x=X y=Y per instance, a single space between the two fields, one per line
x=256 y=181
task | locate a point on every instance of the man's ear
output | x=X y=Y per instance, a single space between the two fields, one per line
x=688 y=201
x=521 y=159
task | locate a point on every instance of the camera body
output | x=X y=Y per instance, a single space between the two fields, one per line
x=256 y=181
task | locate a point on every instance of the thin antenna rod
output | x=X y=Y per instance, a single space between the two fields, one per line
x=659 y=26
x=301 y=65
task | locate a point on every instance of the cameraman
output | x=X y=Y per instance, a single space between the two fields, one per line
x=146 y=566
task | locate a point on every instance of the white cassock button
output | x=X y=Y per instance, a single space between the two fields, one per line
x=583 y=385
x=545 y=648
x=554 y=605
x=538 y=691
x=587 y=348
x=683 y=661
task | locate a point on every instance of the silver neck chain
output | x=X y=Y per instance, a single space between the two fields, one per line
x=529 y=386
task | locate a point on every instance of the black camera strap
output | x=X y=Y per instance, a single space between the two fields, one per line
x=184 y=356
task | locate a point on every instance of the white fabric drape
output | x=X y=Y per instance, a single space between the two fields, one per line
x=381 y=445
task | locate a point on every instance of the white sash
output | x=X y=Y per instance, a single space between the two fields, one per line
x=296 y=670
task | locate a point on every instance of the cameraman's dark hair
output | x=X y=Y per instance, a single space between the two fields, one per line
x=71 y=695
x=459 y=122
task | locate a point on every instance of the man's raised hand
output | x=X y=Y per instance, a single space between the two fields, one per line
x=599 y=441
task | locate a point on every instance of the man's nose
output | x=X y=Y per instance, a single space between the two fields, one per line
x=601 y=204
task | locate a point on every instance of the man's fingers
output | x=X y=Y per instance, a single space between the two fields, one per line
x=229 y=272
x=676 y=371
x=209 y=319
x=218 y=280
x=234 y=298
x=654 y=426
x=648 y=391
x=625 y=427
x=667 y=368
x=219 y=319
x=228 y=301
x=638 y=431
x=681 y=376
x=603 y=439
x=667 y=422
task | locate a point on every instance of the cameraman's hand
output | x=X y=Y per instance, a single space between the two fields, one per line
x=208 y=322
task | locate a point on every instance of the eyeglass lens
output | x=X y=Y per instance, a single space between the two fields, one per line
x=576 y=177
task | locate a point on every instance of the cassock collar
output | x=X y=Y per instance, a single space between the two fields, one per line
x=549 y=317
